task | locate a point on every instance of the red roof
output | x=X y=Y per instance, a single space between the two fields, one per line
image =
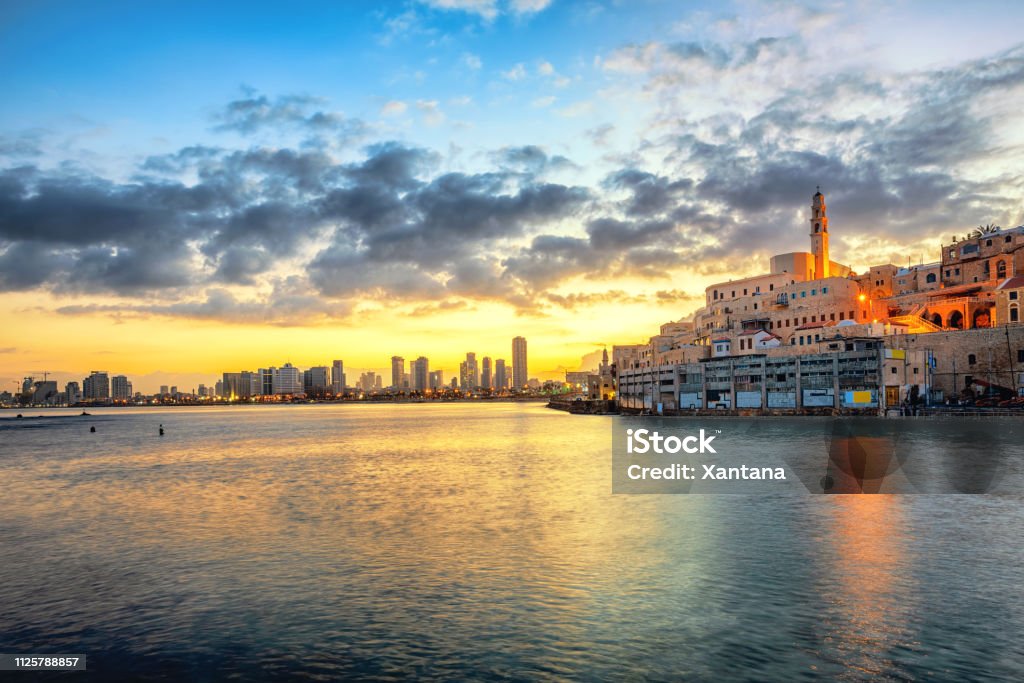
x=1015 y=282
x=814 y=326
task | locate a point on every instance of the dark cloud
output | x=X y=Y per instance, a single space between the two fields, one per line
x=255 y=112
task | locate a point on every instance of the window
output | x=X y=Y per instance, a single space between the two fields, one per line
x=842 y=316
x=988 y=243
x=947 y=272
x=1020 y=355
x=803 y=294
x=915 y=371
x=814 y=318
x=1001 y=270
x=956 y=271
x=744 y=291
x=832 y=316
x=734 y=294
x=771 y=288
x=952 y=253
x=824 y=290
x=813 y=292
x=931 y=277
x=1007 y=239
x=972 y=359
x=1014 y=315
x=893 y=369
x=852 y=316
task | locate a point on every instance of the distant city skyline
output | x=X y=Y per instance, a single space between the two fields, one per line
x=192 y=187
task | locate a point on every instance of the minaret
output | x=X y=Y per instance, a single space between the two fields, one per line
x=819 y=236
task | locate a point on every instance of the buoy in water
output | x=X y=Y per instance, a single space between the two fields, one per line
x=161 y=430
x=92 y=429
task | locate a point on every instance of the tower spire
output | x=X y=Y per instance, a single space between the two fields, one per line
x=819 y=235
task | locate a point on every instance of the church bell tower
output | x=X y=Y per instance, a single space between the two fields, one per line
x=819 y=236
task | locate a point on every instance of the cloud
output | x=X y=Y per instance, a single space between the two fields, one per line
x=516 y=73
x=471 y=61
x=485 y=9
x=431 y=112
x=393 y=108
x=255 y=113
x=544 y=102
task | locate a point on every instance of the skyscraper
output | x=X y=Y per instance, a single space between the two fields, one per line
x=288 y=380
x=436 y=379
x=96 y=387
x=500 y=378
x=316 y=380
x=472 y=372
x=338 y=378
x=485 y=373
x=397 y=371
x=120 y=388
x=420 y=374
x=520 y=374
x=73 y=392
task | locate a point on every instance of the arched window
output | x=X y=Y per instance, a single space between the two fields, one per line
x=972 y=359
x=1014 y=314
x=930 y=279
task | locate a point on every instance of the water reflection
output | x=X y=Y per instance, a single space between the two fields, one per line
x=463 y=541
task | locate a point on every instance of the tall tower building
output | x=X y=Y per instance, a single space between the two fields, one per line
x=338 y=378
x=819 y=236
x=520 y=374
x=485 y=373
x=500 y=379
x=397 y=371
x=421 y=374
x=472 y=372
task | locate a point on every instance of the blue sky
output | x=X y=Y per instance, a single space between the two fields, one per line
x=533 y=163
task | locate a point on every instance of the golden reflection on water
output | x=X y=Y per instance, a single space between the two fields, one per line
x=871 y=576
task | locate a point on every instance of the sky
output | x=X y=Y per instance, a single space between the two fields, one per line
x=193 y=188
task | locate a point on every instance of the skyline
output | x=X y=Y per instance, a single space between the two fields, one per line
x=216 y=187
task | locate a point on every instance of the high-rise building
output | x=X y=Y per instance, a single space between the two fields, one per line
x=437 y=379
x=202 y=390
x=369 y=381
x=120 y=388
x=163 y=389
x=72 y=393
x=265 y=381
x=485 y=373
x=96 y=387
x=316 y=380
x=218 y=388
x=500 y=378
x=338 y=377
x=378 y=382
x=520 y=373
x=287 y=380
x=472 y=379
x=244 y=384
x=420 y=374
x=44 y=392
x=397 y=371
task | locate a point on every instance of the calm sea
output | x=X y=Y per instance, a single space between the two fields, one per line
x=464 y=541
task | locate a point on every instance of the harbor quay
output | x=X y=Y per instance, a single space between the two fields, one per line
x=846 y=375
